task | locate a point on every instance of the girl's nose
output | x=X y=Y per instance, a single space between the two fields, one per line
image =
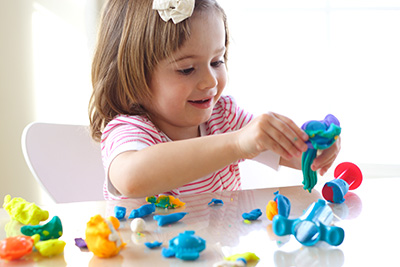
x=208 y=79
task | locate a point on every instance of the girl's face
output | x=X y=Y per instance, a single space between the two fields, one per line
x=186 y=86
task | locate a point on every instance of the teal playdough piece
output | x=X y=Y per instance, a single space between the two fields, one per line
x=144 y=210
x=252 y=215
x=309 y=176
x=322 y=135
x=169 y=218
x=151 y=245
x=51 y=230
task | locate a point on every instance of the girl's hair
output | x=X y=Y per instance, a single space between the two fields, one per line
x=132 y=39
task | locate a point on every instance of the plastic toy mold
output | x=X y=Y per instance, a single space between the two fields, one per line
x=311 y=227
x=322 y=135
x=24 y=212
x=347 y=177
x=102 y=237
x=186 y=246
x=165 y=202
x=280 y=205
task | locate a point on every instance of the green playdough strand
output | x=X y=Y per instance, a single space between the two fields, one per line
x=309 y=176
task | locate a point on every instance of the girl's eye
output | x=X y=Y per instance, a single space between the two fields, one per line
x=186 y=71
x=217 y=63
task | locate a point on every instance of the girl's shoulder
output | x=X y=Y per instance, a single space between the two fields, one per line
x=134 y=120
x=128 y=122
x=227 y=116
x=226 y=101
x=226 y=105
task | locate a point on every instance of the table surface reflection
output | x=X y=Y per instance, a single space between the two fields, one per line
x=368 y=216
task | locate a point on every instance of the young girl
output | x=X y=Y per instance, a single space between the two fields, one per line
x=158 y=75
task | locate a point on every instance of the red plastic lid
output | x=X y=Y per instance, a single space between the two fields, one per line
x=350 y=173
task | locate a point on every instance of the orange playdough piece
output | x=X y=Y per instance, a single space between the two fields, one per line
x=102 y=237
x=272 y=210
x=15 y=247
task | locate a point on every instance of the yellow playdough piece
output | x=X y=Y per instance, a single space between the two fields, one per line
x=24 y=212
x=248 y=256
x=165 y=201
x=102 y=237
x=272 y=209
x=50 y=247
x=176 y=202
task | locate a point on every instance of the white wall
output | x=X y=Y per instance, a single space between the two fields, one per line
x=16 y=93
x=45 y=54
x=303 y=59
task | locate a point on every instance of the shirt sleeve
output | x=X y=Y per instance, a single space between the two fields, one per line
x=122 y=135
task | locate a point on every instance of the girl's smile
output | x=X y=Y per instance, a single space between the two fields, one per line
x=202 y=104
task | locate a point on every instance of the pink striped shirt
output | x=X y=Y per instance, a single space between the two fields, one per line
x=127 y=133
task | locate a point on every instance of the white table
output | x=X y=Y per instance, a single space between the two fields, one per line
x=369 y=217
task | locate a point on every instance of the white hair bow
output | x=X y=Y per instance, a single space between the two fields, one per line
x=177 y=10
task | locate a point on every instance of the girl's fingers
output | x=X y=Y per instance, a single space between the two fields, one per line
x=300 y=134
x=288 y=135
x=326 y=159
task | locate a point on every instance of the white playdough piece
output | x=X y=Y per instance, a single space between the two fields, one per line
x=138 y=225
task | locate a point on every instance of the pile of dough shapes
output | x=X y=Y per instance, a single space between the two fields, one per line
x=17 y=246
x=162 y=201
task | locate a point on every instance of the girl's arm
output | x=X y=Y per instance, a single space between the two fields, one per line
x=167 y=166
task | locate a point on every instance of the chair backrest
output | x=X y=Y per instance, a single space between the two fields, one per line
x=64 y=160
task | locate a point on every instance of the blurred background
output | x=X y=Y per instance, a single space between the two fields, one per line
x=303 y=59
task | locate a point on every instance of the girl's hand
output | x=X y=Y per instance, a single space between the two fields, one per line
x=325 y=160
x=273 y=132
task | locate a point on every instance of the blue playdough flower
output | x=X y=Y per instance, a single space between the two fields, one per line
x=322 y=134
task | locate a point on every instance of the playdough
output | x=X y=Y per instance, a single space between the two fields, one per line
x=24 y=212
x=322 y=135
x=51 y=230
x=102 y=237
x=165 y=202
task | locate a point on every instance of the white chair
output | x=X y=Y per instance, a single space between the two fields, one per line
x=64 y=160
